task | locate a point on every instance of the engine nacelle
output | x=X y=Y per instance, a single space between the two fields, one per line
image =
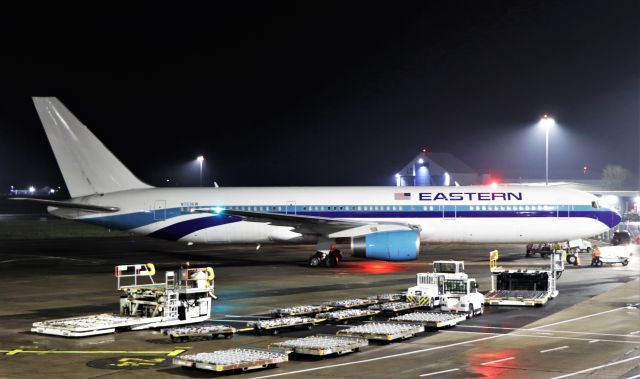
x=399 y=245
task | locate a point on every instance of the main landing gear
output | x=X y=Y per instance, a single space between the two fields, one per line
x=328 y=259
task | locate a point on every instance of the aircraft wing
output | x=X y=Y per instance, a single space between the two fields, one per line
x=329 y=227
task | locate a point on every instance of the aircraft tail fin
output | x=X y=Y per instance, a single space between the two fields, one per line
x=87 y=166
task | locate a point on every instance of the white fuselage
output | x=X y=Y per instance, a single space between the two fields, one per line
x=475 y=214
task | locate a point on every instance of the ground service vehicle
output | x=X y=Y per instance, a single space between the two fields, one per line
x=621 y=237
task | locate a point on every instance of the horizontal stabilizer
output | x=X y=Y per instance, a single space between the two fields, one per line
x=67 y=204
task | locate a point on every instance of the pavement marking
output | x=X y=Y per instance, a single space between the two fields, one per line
x=497 y=360
x=635 y=334
x=546 y=330
x=554 y=349
x=176 y=352
x=577 y=318
x=540 y=332
x=596 y=367
x=440 y=372
x=169 y=353
x=633 y=377
x=538 y=336
x=593 y=341
x=380 y=358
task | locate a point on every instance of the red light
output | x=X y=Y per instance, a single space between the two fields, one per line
x=379 y=267
x=494 y=185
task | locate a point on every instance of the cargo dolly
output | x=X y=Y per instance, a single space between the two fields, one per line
x=431 y=320
x=351 y=303
x=346 y=315
x=300 y=310
x=233 y=359
x=388 y=297
x=600 y=261
x=205 y=330
x=396 y=307
x=322 y=345
x=276 y=325
x=383 y=331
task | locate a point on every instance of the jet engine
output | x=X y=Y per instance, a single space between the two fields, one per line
x=398 y=245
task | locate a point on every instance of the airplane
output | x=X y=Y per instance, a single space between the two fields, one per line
x=381 y=223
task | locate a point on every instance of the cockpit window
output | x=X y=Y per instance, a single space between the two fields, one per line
x=595 y=204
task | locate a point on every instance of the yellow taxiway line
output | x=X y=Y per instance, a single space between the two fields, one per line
x=170 y=353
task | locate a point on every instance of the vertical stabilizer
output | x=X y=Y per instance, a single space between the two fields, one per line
x=87 y=166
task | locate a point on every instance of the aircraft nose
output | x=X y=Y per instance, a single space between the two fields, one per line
x=615 y=218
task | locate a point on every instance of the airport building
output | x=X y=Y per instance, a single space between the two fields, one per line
x=437 y=169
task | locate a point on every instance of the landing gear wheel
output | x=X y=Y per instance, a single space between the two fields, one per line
x=331 y=260
x=314 y=261
x=625 y=262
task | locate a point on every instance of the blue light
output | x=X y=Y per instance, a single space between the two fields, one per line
x=217 y=210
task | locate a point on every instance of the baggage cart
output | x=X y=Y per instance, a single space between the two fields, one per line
x=347 y=315
x=211 y=330
x=232 y=359
x=322 y=345
x=431 y=320
x=276 y=325
x=383 y=331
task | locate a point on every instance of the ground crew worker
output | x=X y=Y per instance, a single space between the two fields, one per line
x=200 y=277
x=595 y=256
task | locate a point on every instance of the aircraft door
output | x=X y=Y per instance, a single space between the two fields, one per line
x=563 y=211
x=160 y=210
x=449 y=212
x=291 y=208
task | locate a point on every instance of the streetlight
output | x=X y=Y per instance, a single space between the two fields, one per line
x=547 y=122
x=200 y=159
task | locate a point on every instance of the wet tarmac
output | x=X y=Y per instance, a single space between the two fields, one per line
x=594 y=321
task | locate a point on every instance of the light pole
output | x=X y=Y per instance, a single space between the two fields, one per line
x=547 y=122
x=200 y=159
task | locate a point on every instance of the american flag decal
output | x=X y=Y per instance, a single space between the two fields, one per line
x=402 y=196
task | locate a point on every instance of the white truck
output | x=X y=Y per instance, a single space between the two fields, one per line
x=449 y=287
x=429 y=287
x=579 y=246
x=462 y=296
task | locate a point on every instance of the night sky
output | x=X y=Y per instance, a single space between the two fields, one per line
x=320 y=93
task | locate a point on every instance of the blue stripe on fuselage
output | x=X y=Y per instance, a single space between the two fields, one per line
x=138 y=219
x=180 y=229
